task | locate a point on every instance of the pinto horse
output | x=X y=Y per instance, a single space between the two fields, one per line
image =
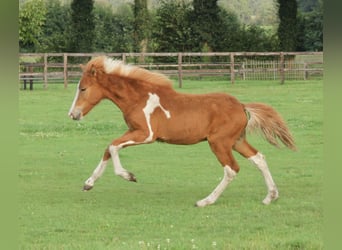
x=154 y=111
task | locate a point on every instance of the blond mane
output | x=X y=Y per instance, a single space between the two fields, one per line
x=116 y=67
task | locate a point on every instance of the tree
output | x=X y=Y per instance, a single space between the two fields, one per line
x=228 y=32
x=256 y=39
x=171 y=30
x=82 y=27
x=287 y=30
x=141 y=26
x=314 y=30
x=113 y=30
x=307 y=5
x=205 y=21
x=213 y=28
x=32 y=15
x=57 y=19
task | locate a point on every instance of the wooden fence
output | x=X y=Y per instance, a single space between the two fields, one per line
x=64 y=67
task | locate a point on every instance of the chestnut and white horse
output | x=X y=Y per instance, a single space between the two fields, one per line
x=154 y=111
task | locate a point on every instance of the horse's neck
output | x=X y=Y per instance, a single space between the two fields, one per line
x=126 y=94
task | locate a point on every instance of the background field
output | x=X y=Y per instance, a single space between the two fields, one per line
x=57 y=155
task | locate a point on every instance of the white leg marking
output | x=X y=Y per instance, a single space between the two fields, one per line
x=75 y=99
x=228 y=176
x=260 y=162
x=118 y=169
x=96 y=174
x=152 y=103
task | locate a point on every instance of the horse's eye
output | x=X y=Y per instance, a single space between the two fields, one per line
x=83 y=89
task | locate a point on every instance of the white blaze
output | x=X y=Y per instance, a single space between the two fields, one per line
x=75 y=99
x=152 y=103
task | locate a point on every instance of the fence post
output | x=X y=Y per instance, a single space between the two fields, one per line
x=282 y=70
x=65 y=69
x=31 y=80
x=124 y=57
x=232 y=73
x=45 y=70
x=180 y=73
x=305 y=71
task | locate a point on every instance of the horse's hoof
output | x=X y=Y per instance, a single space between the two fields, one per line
x=87 y=188
x=132 y=177
x=202 y=203
x=272 y=196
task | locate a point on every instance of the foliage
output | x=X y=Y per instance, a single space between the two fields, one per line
x=308 y=5
x=310 y=37
x=256 y=39
x=168 y=26
x=32 y=16
x=113 y=32
x=142 y=30
x=287 y=30
x=82 y=27
x=206 y=24
x=253 y=12
x=171 y=30
x=53 y=37
x=227 y=32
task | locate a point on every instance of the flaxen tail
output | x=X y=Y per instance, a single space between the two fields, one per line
x=265 y=119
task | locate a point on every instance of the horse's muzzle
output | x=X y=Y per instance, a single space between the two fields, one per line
x=75 y=115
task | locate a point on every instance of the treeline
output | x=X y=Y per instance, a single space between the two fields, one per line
x=173 y=26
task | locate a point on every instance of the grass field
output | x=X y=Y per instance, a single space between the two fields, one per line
x=57 y=155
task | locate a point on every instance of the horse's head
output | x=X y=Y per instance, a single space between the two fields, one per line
x=88 y=93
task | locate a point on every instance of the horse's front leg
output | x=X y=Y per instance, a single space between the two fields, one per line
x=118 y=169
x=130 y=138
x=89 y=183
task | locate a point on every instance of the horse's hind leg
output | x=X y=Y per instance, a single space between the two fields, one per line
x=246 y=150
x=230 y=168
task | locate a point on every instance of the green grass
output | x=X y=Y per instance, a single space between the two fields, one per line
x=57 y=155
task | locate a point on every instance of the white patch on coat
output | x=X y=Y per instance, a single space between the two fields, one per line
x=152 y=103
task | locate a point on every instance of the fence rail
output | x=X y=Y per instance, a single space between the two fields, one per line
x=64 y=67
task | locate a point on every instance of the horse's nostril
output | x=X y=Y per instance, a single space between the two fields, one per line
x=75 y=115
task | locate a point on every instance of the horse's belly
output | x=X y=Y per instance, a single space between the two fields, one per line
x=182 y=132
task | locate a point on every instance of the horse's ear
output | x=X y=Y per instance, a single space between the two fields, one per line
x=93 y=70
x=82 y=67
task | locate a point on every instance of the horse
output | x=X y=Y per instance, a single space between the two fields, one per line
x=154 y=111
